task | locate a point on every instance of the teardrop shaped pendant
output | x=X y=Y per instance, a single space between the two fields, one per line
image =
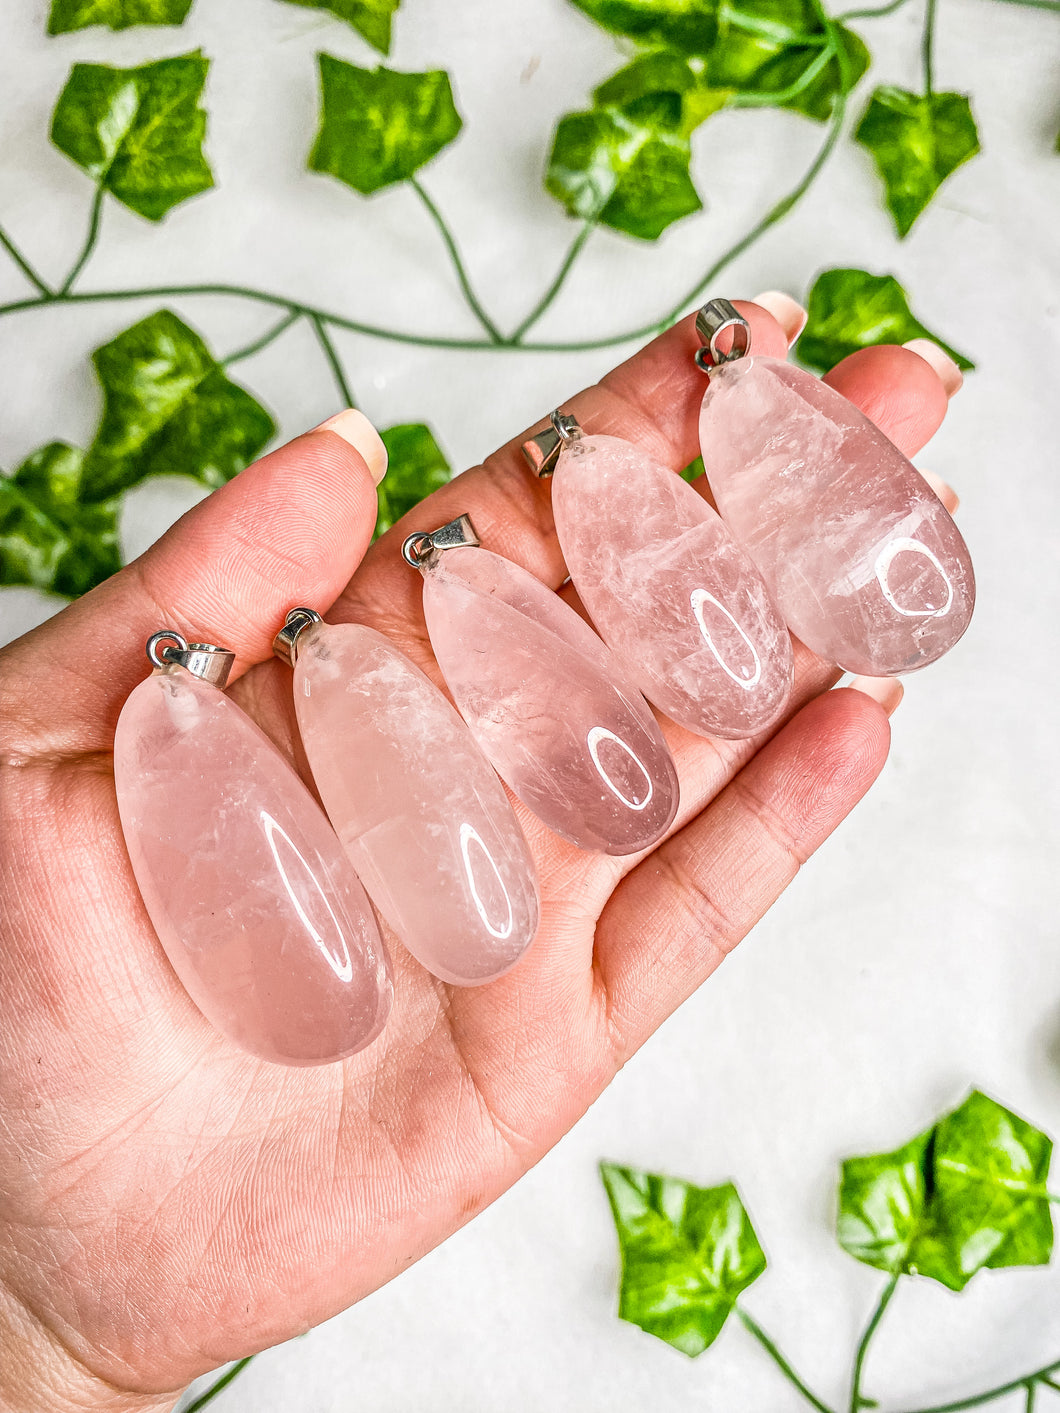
x=259 y=911
x=544 y=697
x=418 y=808
x=862 y=558
x=671 y=592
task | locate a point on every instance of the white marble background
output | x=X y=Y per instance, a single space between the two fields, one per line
x=919 y=952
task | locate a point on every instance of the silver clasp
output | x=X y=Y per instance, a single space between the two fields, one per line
x=205 y=660
x=285 y=643
x=422 y=549
x=543 y=451
x=712 y=320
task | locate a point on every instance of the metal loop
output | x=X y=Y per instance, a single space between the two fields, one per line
x=712 y=321
x=167 y=635
x=203 y=660
x=565 y=426
x=285 y=643
x=422 y=549
x=543 y=451
x=416 y=547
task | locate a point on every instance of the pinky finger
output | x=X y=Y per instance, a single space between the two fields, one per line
x=675 y=917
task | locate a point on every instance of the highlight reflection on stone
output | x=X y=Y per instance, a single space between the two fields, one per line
x=419 y=810
x=671 y=592
x=548 y=703
x=863 y=559
x=257 y=907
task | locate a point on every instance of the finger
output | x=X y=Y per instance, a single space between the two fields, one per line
x=788 y=312
x=289 y=529
x=945 y=492
x=678 y=914
x=895 y=388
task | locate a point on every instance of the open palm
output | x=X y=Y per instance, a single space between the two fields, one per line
x=168 y=1202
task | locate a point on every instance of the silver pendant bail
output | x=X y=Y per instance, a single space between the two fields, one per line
x=285 y=643
x=711 y=321
x=543 y=451
x=204 y=660
x=422 y=549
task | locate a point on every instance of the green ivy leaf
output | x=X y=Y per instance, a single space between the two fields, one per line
x=917 y=140
x=626 y=173
x=137 y=132
x=967 y=1194
x=883 y=1206
x=416 y=468
x=378 y=126
x=687 y=1253
x=851 y=309
x=663 y=90
x=766 y=48
x=370 y=18
x=689 y=26
x=168 y=409
x=48 y=538
x=67 y=15
x=991 y=1168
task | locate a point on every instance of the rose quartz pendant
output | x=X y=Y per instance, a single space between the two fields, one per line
x=544 y=698
x=257 y=907
x=669 y=589
x=418 y=808
x=863 y=559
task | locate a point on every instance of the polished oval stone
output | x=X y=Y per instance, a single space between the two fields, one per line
x=419 y=810
x=548 y=704
x=669 y=589
x=257 y=907
x=863 y=559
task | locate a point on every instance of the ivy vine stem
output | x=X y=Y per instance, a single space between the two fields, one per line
x=769 y=1345
x=91 y=239
x=24 y=265
x=857 y=1401
x=872 y=14
x=269 y=336
x=215 y=1388
x=927 y=48
x=474 y=303
x=334 y=361
x=990 y=1395
x=576 y=248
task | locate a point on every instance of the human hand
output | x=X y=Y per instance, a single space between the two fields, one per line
x=168 y=1202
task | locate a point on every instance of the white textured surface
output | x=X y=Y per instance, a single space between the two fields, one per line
x=919 y=952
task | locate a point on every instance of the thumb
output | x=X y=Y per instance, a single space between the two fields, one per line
x=289 y=529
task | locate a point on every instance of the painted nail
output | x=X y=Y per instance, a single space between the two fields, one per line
x=354 y=427
x=788 y=312
x=888 y=691
x=949 y=374
x=945 y=492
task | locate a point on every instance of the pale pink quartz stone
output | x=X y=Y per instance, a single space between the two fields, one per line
x=418 y=808
x=548 y=704
x=863 y=560
x=257 y=907
x=670 y=590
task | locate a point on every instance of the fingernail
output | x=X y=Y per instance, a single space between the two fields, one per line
x=888 y=691
x=950 y=375
x=788 y=312
x=354 y=427
x=945 y=492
